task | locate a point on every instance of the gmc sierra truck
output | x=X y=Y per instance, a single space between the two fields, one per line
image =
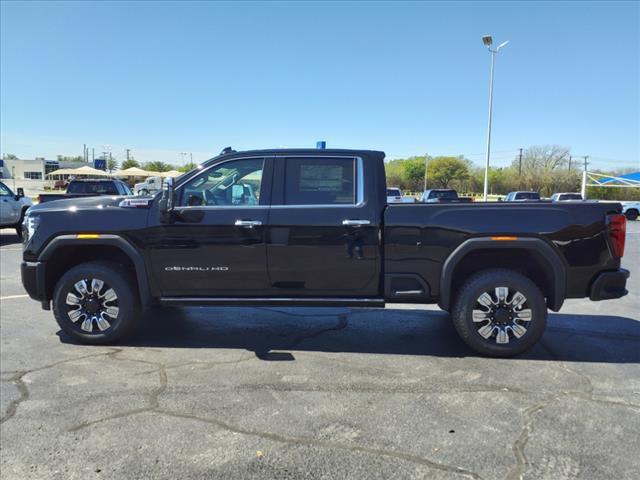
x=316 y=230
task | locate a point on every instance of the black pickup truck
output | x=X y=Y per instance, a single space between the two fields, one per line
x=88 y=188
x=317 y=230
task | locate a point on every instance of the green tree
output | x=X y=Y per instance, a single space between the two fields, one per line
x=413 y=173
x=157 y=166
x=442 y=171
x=66 y=158
x=131 y=162
x=112 y=164
x=187 y=167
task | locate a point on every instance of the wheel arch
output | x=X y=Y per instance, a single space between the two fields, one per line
x=551 y=266
x=105 y=247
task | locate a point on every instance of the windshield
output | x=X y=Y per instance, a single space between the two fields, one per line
x=571 y=196
x=446 y=194
x=4 y=190
x=528 y=196
x=393 y=192
x=100 y=187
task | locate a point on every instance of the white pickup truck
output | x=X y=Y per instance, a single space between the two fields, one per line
x=12 y=208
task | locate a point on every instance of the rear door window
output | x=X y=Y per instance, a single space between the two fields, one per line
x=320 y=181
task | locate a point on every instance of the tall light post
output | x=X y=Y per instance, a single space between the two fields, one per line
x=488 y=41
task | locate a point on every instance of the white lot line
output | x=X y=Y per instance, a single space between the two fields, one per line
x=11 y=297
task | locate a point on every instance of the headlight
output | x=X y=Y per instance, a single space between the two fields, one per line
x=29 y=227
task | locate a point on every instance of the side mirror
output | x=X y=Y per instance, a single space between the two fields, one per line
x=19 y=192
x=166 y=199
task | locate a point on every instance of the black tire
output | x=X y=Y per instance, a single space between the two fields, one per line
x=632 y=214
x=114 y=277
x=499 y=315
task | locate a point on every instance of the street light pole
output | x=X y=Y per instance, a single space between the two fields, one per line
x=488 y=40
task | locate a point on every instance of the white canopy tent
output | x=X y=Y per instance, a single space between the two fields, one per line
x=133 y=172
x=170 y=173
x=85 y=171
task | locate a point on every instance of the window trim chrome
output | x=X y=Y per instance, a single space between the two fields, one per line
x=221 y=207
x=360 y=193
x=360 y=200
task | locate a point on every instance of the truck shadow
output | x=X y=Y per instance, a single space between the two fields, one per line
x=275 y=334
x=9 y=239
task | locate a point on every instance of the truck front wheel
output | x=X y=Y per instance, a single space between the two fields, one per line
x=96 y=303
x=500 y=313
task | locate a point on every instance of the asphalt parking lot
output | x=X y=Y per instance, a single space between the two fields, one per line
x=318 y=393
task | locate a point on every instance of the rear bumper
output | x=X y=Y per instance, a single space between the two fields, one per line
x=33 y=280
x=608 y=285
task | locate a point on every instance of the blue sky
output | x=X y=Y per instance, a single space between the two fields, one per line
x=407 y=78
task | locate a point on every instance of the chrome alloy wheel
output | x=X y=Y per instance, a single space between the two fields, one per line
x=501 y=316
x=92 y=302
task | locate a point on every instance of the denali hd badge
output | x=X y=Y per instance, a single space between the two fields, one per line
x=196 y=269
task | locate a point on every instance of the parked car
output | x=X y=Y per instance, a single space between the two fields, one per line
x=566 y=197
x=89 y=188
x=522 y=197
x=443 y=195
x=322 y=234
x=631 y=210
x=394 y=195
x=150 y=186
x=13 y=208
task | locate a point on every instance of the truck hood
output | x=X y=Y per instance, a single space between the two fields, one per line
x=78 y=203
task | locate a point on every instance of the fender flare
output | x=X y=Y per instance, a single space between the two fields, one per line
x=105 y=240
x=554 y=262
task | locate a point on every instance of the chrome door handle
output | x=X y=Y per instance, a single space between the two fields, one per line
x=248 y=223
x=356 y=223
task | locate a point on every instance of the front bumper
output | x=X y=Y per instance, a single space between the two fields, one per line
x=608 y=285
x=33 y=280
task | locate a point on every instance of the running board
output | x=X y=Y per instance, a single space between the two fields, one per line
x=274 y=301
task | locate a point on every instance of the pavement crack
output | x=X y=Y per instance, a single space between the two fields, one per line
x=518 y=447
x=152 y=401
x=18 y=380
x=305 y=441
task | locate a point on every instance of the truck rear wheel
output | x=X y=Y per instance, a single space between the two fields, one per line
x=96 y=303
x=632 y=214
x=500 y=313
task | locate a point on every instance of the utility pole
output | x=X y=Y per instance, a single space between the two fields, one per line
x=586 y=157
x=570 y=158
x=128 y=154
x=93 y=154
x=520 y=164
x=84 y=152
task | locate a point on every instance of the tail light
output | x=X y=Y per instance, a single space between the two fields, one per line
x=617 y=232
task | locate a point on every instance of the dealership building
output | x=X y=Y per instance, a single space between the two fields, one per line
x=36 y=169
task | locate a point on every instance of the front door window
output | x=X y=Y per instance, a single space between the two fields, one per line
x=233 y=183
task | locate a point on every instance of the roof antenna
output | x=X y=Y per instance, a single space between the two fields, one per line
x=227 y=150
